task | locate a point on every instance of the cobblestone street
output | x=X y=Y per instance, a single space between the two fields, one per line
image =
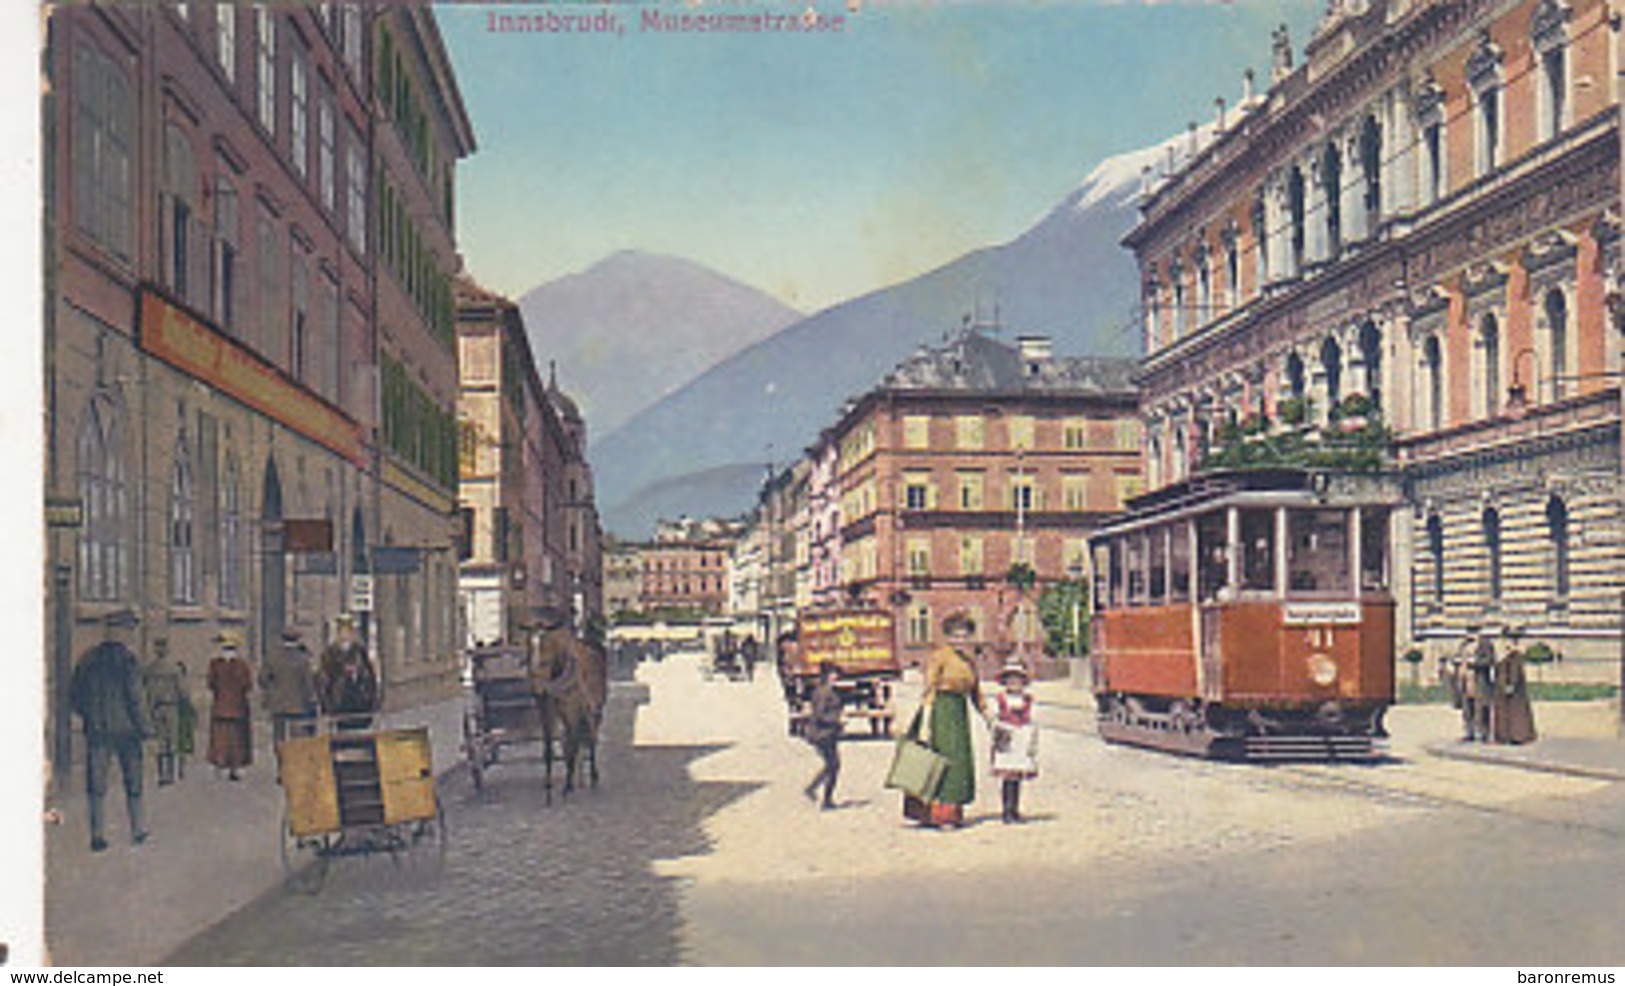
x=699 y=848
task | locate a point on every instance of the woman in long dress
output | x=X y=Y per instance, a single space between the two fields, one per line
x=951 y=688
x=230 y=680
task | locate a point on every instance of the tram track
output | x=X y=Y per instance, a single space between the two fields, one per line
x=1325 y=777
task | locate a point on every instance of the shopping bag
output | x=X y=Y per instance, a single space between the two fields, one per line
x=916 y=769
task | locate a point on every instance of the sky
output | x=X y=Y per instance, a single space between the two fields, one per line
x=820 y=167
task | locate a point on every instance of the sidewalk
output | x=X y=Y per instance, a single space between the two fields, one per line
x=215 y=847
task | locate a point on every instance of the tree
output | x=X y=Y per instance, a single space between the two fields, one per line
x=1064 y=609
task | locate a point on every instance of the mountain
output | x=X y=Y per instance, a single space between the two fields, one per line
x=635 y=326
x=1067 y=277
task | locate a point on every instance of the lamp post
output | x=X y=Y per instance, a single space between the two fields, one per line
x=1517 y=395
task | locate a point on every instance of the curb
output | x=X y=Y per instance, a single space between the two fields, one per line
x=1540 y=766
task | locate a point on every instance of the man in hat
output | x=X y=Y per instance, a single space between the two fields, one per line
x=289 y=686
x=1461 y=665
x=346 y=682
x=231 y=740
x=823 y=731
x=107 y=695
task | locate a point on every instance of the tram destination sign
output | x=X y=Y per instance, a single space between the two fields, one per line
x=1320 y=614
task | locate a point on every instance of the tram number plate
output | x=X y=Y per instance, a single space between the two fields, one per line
x=1320 y=614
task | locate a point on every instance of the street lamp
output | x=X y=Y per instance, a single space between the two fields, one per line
x=1517 y=396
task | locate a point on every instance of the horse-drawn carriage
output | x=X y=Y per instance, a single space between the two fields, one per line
x=552 y=688
x=355 y=793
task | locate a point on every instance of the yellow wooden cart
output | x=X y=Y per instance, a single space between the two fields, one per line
x=357 y=793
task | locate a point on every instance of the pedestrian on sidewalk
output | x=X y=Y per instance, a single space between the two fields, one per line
x=823 y=731
x=1512 y=718
x=231 y=741
x=289 y=686
x=1465 y=682
x=346 y=682
x=1015 y=737
x=951 y=688
x=107 y=694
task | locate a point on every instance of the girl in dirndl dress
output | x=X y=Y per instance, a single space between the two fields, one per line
x=1015 y=737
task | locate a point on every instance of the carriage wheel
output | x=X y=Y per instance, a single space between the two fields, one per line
x=304 y=860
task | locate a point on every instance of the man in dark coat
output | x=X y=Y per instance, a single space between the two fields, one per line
x=289 y=687
x=107 y=695
x=824 y=733
x=347 y=683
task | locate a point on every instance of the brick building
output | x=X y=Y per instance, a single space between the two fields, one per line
x=1419 y=224
x=967 y=460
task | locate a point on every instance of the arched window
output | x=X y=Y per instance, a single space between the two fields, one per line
x=1434 y=359
x=1492 y=553
x=1294 y=376
x=1557 y=340
x=104 y=552
x=1435 y=532
x=1331 y=362
x=1557 y=530
x=1371 y=356
x=182 y=511
x=231 y=535
x=1261 y=242
x=1295 y=209
x=1489 y=340
x=1548 y=31
x=1331 y=189
x=1371 y=166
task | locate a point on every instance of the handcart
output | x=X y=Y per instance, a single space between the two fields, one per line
x=505 y=711
x=354 y=793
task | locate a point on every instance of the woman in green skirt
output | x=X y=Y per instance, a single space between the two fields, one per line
x=951 y=688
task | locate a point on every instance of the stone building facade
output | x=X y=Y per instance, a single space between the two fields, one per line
x=225 y=449
x=970 y=459
x=1418 y=225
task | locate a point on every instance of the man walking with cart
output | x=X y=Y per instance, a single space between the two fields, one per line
x=823 y=731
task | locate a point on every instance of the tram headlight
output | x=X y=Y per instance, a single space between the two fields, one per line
x=1322 y=669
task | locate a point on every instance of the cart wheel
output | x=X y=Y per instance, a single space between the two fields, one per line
x=304 y=860
x=426 y=844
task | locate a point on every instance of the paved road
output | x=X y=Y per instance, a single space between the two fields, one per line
x=699 y=848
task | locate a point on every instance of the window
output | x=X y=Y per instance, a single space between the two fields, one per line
x=1435 y=535
x=1371 y=357
x=104 y=551
x=1331 y=361
x=1318 y=555
x=1489 y=341
x=1021 y=492
x=1371 y=165
x=182 y=510
x=1557 y=531
x=1331 y=189
x=273 y=340
x=1232 y=270
x=919 y=625
x=1074 y=555
x=102 y=120
x=231 y=536
x=299 y=111
x=299 y=342
x=916 y=431
x=968 y=431
x=351 y=13
x=1373 y=549
x=177 y=211
x=265 y=41
x=1114 y=581
x=1127 y=433
x=970 y=555
x=919 y=556
x=1075 y=491
x=330 y=354
x=1258 y=550
x=1295 y=382
x=1553 y=91
x=970 y=491
x=1134 y=568
x=1075 y=435
x=916 y=491
x=1261 y=241
x=1557 y=341
x=326 y=141
x=1433 y=358
x=1179 y=563
x=1159 y=567
x=1103 y=568
x=1021 y=428
x=226 y=235
x=225 y=20
x=1489 y=128
x=1295 y=211
x=1491 y=522
x=355 y=189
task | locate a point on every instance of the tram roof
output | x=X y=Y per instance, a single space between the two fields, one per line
x=1271 y=486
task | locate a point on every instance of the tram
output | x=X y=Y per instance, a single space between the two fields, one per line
x=1247 y=614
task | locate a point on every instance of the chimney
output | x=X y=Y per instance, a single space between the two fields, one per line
x=1219 y=102
x=1145 y=180
x=1247 y=87
x=1190 y=128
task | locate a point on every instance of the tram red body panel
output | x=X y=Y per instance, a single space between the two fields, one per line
x=1149 y=650
x=1269 y=658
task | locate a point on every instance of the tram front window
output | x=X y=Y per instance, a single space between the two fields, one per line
x=1258 y=550
x=1212 y=558
x=1319 y=559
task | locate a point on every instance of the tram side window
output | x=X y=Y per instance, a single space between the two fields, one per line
x=1115 y=590
x=1213 y=566
x=1134 y=565
x=1159 y=566
x=1102 y=573
x=1374 y=549
x=1319 y=559
x=1179 y=564
x=1258 y=550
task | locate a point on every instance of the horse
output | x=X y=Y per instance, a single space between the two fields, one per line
x=570 y=680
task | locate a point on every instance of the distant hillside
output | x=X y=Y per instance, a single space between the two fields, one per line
x=694 y=494
x=1066 y=277
x=636 y=326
